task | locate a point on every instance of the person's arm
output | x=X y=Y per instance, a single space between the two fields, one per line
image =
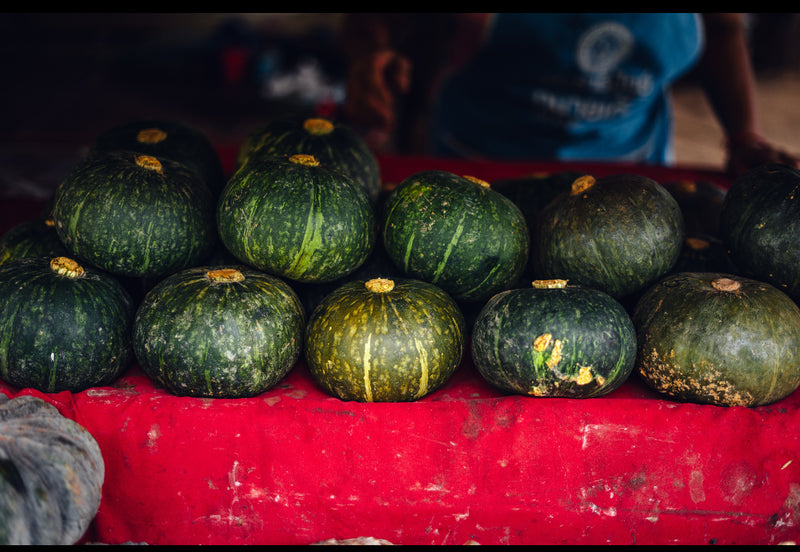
x=729 y=83
x=377 y=72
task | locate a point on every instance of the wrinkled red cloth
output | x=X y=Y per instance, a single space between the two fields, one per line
x=466 y=463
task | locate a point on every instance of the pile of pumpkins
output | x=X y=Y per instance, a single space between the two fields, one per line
x=558 y=285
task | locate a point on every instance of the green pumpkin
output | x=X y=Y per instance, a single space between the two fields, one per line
x=700 y=203
x=219 y=332
x=703 y=253
x=617 y=234
x=167 y=139
x=63 y=326
x=333 y=144
x=296 y=218
x=760 y=225
x=384 y=340
x=33 y=238
x=135 y=215
x=716 y=338
x=554 y=340
x=455 y=232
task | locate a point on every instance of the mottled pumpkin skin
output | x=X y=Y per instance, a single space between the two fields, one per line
x=531 y=194
x=562 y=342
x=697 y=343
x=303 y=222
x=33 y=238
x=332 y=143
x=59 y=333
x=135 y=217
x=51 y=474
x=166 y=139
x=619 y=235
x=456 y=233
x=393 y=346
x=760 y=225
x=225 y=337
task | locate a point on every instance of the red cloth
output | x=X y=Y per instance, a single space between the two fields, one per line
x=296 y=466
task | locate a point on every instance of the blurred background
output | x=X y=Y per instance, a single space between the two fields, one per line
x=67 y=77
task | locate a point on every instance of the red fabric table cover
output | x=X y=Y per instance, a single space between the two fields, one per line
x=296 y=466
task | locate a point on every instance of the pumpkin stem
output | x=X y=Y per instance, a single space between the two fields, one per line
x=582 y=183
x=697 y=244
x=549 y=284
x=379 y=285
x=318 y=126
x=686 y=186
x=66 y=267
x=224 y=275
x=151 y=136
x=725 y=284
x=478 y=181
x=304 y=159
x=149 y=162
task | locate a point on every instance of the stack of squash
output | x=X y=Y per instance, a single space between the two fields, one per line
x=557 y=285
x=562 y=285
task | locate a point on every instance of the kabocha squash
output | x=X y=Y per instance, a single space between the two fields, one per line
x=63 y=326
x=760 y=225
x=332 y=143
x=455 y=232
x=715 y=338
x=700 y=203
x=135 y=215
x=377 y=265
x=703 y=253
x=51 y=474
x=219 y=332
x=554 y=340
x=384 y=340
x=296 y=218
x=531 y=194
x=618 y=234
x=166 y=139
x=33 y=238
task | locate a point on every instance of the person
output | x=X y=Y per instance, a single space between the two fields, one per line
x=522 y=86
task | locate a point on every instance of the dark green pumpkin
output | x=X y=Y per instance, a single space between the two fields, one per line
x=554 y=340
x=384 y=340
x=618 y=234
x=63 y=326
x=760 y=225
x=377 y=265
x=703 y=253
x=455 y=232
x=700 y=202
x=332 y=143
x=296 y=218
x=135 y=215
x=51 y=474
x=168 y=139
x=716 y=338
x=219 y=332
x=531 y=193
x=33 y=238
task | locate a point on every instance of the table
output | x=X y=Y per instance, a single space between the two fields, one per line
x=467 y=463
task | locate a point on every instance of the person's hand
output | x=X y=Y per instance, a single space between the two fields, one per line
x=373 y=84
x=751 y=150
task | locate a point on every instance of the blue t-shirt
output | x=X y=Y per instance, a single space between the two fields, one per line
x=575 y=86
